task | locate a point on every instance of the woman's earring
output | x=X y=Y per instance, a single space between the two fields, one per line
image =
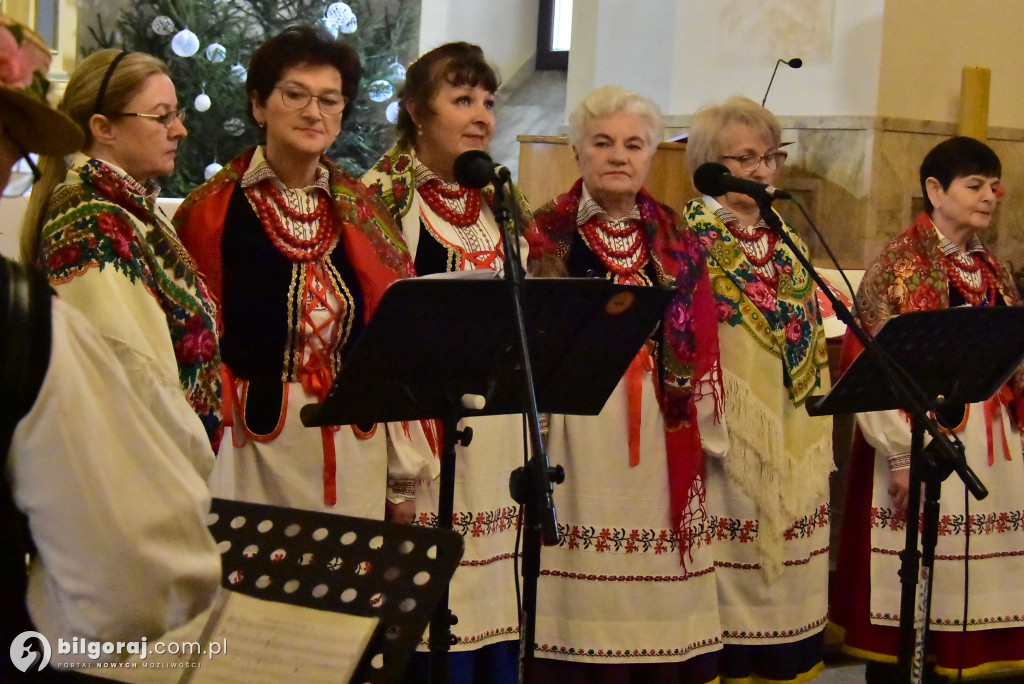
x=261 y=124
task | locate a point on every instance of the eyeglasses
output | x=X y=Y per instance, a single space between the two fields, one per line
x=749 y=162
x=299 y=98
x=166 y=120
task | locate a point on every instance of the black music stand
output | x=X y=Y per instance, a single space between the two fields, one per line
x=956 y=356
x=437 y=343
x=396 y=573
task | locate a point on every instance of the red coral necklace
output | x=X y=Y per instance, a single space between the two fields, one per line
x=292 y=246
x=972 y=278
x=439 y=195
x=623 y=261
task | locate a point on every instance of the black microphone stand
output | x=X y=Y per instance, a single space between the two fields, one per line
x=532 y=485
x=943 y=456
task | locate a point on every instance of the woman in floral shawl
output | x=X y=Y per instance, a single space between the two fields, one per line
x=297 y=254
x=447 y=109
x=111 y=252
x=937 y=263
x=769 y=495
x=632 y=507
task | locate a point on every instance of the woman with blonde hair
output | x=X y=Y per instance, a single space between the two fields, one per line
x=769 y=494
x=96 y=232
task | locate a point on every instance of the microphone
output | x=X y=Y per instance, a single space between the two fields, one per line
x=475 y=169
x=715 y=180
x=794 y=63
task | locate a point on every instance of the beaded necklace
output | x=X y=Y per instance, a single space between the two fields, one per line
x=969 y=274
x=444 y=199
x=611 y=243
x=290 y=245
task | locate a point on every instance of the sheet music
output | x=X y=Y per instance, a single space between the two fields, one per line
x=262 y=642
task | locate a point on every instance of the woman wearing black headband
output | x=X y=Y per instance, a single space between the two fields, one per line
x=111 y=252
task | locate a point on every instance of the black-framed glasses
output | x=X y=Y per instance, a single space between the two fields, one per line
x=749 y=162
x=295 y=97
x=166 y=120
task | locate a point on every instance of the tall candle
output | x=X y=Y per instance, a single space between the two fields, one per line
x=974 y=87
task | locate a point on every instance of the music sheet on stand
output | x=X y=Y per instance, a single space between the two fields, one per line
x=261 y=642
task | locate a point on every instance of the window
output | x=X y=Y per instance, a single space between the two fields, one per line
x=554 y=31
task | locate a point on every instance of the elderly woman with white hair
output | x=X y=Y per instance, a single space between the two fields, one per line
x=629 y=594
x=770 y=495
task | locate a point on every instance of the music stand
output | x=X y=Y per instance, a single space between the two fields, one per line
x=435 y=340
x=396 y=573
x=956 y=356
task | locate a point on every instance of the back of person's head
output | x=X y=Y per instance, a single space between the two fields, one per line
x=301 y=46
x=955 y=158
x=103 y=84
x=457 y=64
x=609 y=100
x=703 y=143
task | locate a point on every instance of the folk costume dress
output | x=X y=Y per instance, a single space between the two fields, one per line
x=448 y=229
x=768 y=498
x=920 y=270
x=297 y=273
x=631 y=587
x=113 y=254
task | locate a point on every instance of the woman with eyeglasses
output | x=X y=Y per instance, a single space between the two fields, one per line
x=769 y=491
x=111 y=252
x=297 y=255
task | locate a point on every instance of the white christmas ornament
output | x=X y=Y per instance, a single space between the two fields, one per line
x=380 y=90
x=339 y=13
x=395 y=73
x=239 y=73
x=202 y=102
x=391 y=113
x=215 y=52
x=349 y=26
x=211 y=169
x=185 y=43
x=163 y=25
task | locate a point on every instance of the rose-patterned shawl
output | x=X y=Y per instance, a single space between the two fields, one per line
x=100 y=218
x=688 y=349
x=391 y=180
x=910 y=275
x=778 y=455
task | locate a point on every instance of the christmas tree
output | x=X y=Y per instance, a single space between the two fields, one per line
x=207 y=46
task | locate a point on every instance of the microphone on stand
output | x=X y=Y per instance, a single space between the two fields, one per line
x=794 y=63
x=715 y=180
x=476 y=169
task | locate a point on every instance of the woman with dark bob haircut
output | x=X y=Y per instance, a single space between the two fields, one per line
x=297 y=255
x=939 y=262
x=447 y=108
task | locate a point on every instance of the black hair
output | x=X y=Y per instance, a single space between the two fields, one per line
x=955 y=158
x=301 y=45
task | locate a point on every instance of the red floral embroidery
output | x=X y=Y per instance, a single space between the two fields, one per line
x=760 y=295
x=68 y=256
x=120 y=233
x=198 y=344
x=793 y=329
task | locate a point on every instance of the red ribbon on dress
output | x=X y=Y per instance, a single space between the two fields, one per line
x=316 y=379
x=641 y=364
x=484 y=260
x=993 y=415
